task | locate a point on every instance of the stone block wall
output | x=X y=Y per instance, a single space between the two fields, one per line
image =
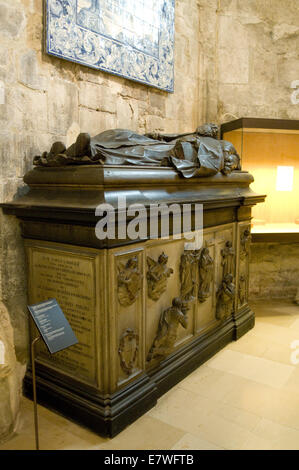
x=274 y=270
x=233 y=58
x=249 y=57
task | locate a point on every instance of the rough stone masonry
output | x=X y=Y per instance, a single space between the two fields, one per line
x=233 y=58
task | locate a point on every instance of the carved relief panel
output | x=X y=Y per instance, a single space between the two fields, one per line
x=244 y=240
x=206 y=269
x=216 y=268
x=225 y=297
x=157 y=275
x=128 y=349
x=188 y=274
x=206 y=274
x=169 y=323
x=226 y=290
x=164 y=283
x=226 y=272
x=128 y=281
x=228 y=259
x=126 y=288
x=164 y=295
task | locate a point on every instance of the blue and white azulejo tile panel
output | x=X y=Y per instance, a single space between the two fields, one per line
x=131 y=38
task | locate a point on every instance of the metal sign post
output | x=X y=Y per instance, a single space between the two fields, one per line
x=34 y=390
x=57 y=335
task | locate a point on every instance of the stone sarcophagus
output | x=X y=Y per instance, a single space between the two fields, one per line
x=146 y=311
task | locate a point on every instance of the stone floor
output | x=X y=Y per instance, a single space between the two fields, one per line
x=245 y=397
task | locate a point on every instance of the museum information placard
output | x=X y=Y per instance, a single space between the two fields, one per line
x=52 y=325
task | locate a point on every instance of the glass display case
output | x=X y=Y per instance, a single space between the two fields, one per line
x=269 y=149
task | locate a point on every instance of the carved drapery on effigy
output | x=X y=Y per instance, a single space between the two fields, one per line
x=198 y=153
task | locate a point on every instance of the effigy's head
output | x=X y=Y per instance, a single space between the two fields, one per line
x=231 y=157
x=231 y=163
x=228 y=147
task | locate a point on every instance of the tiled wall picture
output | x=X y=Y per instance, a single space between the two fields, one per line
x=130 y=38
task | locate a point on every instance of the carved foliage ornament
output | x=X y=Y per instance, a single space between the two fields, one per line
x=157 y=275
x=169 y=323
x=128 y=282
x=128 y=348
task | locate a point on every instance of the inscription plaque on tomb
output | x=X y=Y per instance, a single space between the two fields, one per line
x=68 y=275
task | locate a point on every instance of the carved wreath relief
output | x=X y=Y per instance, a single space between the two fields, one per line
x=128 y=282
x=128 y=348
x=206 y=274
x=169 y=323
x=157 y=275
